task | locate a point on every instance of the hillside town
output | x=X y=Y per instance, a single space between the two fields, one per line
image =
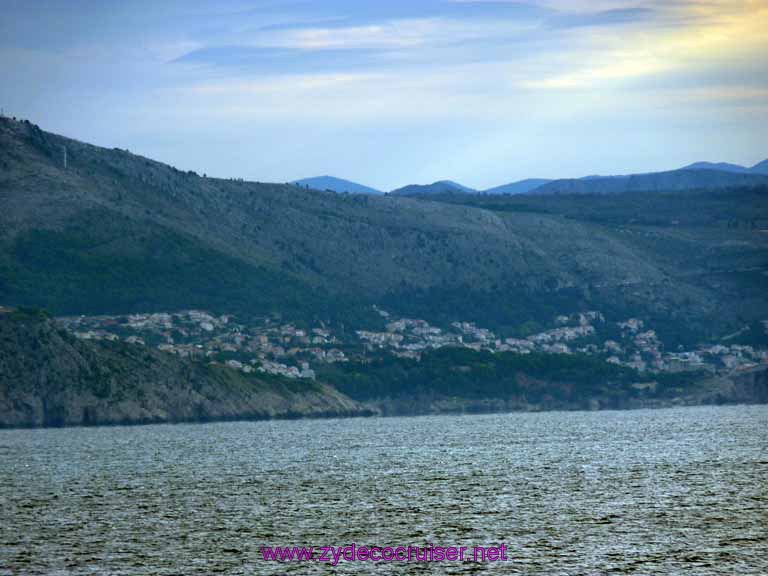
x=269 y=346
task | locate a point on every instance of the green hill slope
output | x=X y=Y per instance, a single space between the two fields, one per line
x=462 y=380
x=116 y=232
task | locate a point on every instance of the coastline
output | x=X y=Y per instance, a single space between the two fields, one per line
x=368 y=411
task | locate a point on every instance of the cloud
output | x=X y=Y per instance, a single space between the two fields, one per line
x=615 y=16
x=707 y=37
x=386 y=46
x=581 y=42
x=281 y=61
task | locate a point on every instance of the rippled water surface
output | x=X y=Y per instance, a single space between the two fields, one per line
x=681 y=491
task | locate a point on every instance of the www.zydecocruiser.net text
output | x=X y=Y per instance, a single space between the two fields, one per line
x=355 y=553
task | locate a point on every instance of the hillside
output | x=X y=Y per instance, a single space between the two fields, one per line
x=440 y=187
x=113 y=232
x=519 y=187
x=462 y=380
x=679 y=179
x=685 y=179
x=723 y=166
x=336 y=185
x=759 y=168
x=50 y=378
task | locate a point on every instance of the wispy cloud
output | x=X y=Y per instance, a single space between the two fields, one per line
x=709 y=36
x=616 y=16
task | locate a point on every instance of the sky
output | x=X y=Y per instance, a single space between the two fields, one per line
x=393 y=92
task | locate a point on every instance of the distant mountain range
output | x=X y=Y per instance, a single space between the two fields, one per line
x=520 y=187
x=759 y=168
x=699 y=175
x=336 y=185
x=674 y=180
x=439 y=187
x=703 y=175
x=342 y=186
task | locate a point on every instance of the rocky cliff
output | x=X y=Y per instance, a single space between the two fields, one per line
x=749 y=386
x=50 y=378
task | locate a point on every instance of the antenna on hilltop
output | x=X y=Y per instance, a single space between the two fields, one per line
x=64 y=156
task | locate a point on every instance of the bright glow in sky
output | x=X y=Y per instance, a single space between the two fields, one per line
x=391 y=92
